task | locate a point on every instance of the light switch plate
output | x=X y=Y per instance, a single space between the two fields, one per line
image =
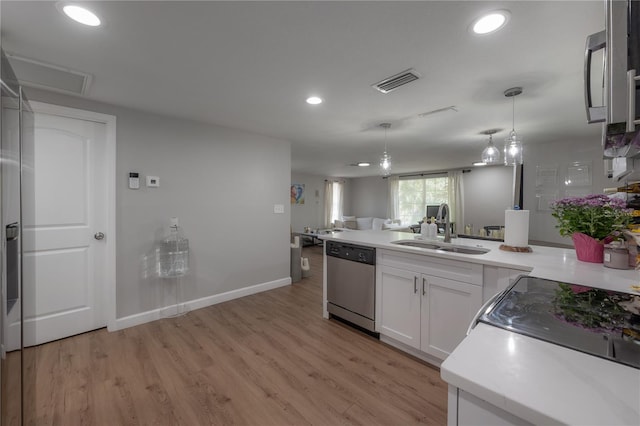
x=278 y=208
x=153 y=181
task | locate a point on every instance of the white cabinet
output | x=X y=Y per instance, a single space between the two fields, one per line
x=466 y=409
x=421 y=306
x=496 y=279
x=447 y=310
x=400 y=308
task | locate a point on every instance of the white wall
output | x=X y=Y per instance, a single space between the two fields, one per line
x=488 y=192
x=221 y=183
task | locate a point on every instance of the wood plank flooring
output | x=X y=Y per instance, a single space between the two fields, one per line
x=266 y=359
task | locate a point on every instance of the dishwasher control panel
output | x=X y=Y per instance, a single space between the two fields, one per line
x=351 y=252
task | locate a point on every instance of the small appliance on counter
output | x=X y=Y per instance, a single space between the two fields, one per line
x=595 y=321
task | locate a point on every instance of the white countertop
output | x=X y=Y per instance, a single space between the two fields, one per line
x=541 y=382
x=544 y=262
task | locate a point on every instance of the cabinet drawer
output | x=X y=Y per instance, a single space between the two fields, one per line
x=435 y=266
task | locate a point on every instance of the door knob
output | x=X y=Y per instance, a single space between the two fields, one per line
x=98 y=236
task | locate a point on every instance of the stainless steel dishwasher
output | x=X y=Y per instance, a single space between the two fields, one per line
x=351 y=288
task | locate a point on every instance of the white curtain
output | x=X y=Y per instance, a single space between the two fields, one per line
x=393 y=204
x=456 y=197
x=333 y=200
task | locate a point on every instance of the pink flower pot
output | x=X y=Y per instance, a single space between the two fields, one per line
x=588 y=249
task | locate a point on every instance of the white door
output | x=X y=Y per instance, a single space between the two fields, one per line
x=68 y=268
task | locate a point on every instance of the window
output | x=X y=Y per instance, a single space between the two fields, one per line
x=332 y=202
x=415 y=194
x=336 y=199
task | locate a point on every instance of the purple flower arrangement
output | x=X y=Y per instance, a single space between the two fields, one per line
x=596 y=215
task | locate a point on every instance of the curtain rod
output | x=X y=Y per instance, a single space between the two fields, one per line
x=430 y=173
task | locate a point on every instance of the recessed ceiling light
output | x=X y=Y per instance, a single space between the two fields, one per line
x=490 y=22
x=363 y=164
x=81 y=15
x=314 y=100
x=479 y=163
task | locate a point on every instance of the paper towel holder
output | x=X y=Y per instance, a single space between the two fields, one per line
x=505 y=247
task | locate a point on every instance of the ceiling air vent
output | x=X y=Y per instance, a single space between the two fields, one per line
x=392 y=83
x=50 y=77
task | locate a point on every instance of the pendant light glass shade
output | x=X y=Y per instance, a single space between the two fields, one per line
x=491 y=154
x=512 y=150
x=513 y=143
x=385 y=164
x=385 y=160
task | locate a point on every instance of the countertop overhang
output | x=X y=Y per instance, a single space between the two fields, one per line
x=541 y=382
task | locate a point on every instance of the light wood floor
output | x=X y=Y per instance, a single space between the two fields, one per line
x=266 y=359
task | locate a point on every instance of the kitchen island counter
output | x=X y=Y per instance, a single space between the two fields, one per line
x=545 y=262
x=535 y=381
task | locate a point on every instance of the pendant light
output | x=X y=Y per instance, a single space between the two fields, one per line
x=513 y=144
x=385 y=160
x=490 y=154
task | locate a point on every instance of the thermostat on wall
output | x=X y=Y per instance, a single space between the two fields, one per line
x=134 y=180
x=153 y=181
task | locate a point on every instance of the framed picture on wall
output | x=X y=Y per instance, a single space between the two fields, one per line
x=297 y=193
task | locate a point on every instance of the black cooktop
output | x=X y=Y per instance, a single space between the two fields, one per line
x=599 y=322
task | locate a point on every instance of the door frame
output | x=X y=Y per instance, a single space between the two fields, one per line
x=109 y=290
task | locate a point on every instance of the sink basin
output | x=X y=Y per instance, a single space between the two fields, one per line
x=465 y=250
x=442 y=247
x=420 y=244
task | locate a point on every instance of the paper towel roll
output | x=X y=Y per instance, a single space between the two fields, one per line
x=516 y=228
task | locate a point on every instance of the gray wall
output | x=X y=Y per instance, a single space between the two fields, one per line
x=559 y=154
x=222 y=184
x=369 y=197
x=311 y=213
x=488 y=192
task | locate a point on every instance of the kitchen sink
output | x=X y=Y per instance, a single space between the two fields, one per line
x=419 y=244
x=465 y=250
x=442 y=247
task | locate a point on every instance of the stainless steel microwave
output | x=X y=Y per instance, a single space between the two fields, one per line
x=619 y=74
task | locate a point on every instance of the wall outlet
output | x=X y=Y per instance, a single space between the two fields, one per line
x=278 y=208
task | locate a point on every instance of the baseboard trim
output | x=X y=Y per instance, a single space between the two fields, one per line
x=190 y=305
x=411 y=350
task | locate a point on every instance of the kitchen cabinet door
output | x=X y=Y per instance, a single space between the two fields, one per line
x=400 y=310
x=447 y=310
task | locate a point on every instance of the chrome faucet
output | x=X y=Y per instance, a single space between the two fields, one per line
x=444 y=209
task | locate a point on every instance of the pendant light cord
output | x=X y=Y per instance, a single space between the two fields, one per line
x=513 y=114
x=385 y=139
